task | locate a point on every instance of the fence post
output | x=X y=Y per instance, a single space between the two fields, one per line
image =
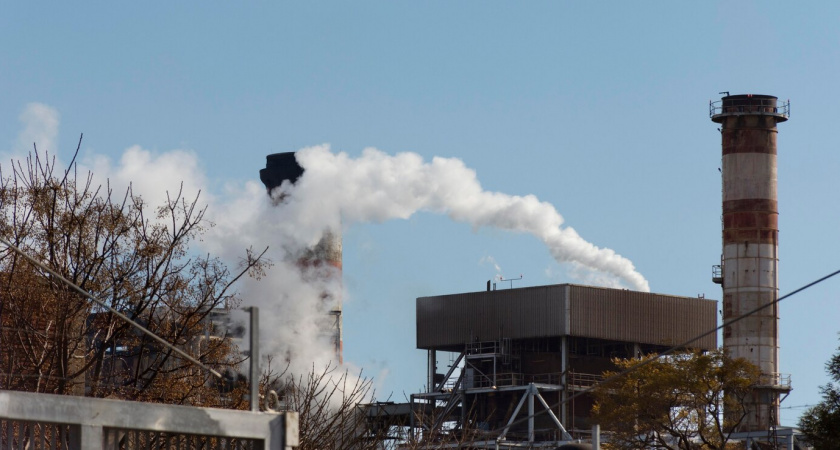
x=255 y=357
x=85 y=437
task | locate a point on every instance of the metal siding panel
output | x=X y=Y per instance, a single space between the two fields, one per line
x=455 y=319
x=557 y=310
x=631 y=316
x=565 y=312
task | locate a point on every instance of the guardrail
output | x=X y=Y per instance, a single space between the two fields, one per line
x=488 y=347
x=45 y=421
x=777 y=380
x=584 y=380
x=750 y=105
x=573 y=379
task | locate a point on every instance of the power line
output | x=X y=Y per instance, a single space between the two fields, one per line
x=669 y=351
x=103 y=304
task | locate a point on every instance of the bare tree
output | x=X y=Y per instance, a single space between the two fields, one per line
x=328 y=403
x=337 y=411
x=53 y=340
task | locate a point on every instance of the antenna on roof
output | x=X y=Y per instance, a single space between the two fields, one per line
x=501 y=278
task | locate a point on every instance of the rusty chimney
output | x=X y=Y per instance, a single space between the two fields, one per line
x=749 y=264
x=282 y=167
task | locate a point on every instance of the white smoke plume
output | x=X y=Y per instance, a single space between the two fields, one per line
x=151 y=175
x=336 y=189
x=335 y=192
x=40 y=126
x=492 y=261
x=295 y=326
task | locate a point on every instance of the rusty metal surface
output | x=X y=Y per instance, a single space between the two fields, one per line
x=751 y=219
x=758 y=137
x=750 y=236
x=452 y=321
x=751 y=204
x=327 y=251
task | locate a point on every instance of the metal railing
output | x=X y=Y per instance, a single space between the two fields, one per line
x=545 y=378
x=777 y=380
x=750 y=105
x=19 y=434
x=717 y=274
x=45 y=421
x=573 y=380
x=502 y=379
x=583 y=380
x=483 y=348
x=128 y=439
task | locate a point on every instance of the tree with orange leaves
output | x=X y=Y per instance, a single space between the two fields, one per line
x=54 y=340
x=685 y=401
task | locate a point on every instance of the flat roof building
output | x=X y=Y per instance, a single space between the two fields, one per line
x=538 y=346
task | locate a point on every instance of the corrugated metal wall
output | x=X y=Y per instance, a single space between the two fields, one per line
x=454 y=320
x=450 y=321
x=630 y=316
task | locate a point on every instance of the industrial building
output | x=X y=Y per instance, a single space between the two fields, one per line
x=524 y=350
x=521 y=351
x=522 y=360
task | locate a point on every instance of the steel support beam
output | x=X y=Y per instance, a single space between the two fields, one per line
x=513 y=416
x=565 y=433
x=530 y=394
x=564 y=366
x=449 y=373
x=431 y=367
x=254 y=354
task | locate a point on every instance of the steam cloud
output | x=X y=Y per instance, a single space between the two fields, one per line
x=335 y=192
x=40 y=125
x=378 y=187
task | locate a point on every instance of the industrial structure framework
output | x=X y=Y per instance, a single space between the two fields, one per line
x=517 y=352
x=749 y=272
x=282 y=167
x=521 y=351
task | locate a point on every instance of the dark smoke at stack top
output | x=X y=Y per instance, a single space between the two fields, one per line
x=282 y=167
x=749 y=263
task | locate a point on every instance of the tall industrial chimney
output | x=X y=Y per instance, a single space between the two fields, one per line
x=282 y=167
x=749 y=264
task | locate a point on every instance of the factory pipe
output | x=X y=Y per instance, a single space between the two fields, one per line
x=749 y=273
x=282 y=167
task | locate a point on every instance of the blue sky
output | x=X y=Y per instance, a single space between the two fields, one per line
x=598 y=108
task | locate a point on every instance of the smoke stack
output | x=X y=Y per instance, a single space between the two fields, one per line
x=282 y=167
x=749 y=264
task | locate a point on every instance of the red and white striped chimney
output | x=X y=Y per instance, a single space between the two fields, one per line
x=749 y=264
